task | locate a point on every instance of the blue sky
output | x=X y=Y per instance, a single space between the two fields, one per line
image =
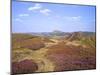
x=47 y=17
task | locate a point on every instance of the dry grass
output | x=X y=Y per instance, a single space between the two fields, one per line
x=53 y=54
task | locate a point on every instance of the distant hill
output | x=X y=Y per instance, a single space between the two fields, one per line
x=51 y=34
x=80 y=35
x=56 y=33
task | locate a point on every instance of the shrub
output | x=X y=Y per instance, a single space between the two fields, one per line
x=33 y=44
x=25 y=66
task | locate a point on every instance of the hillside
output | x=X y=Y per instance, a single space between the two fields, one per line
x=75 y=50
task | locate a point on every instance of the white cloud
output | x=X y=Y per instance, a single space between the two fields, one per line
x=45 y=11
x=35 y=7
x=23 y=15
x=76 y=18
x=18 y=20
x=73 y=18
x=39 y=8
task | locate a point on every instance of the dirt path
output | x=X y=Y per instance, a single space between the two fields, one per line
x=51 y=44
x=56 y=41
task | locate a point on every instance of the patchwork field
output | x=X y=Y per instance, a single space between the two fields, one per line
x=54 y=51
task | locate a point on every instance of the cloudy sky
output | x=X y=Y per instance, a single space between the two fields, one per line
x=47 y=17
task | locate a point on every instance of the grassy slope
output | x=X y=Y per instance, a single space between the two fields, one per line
x=53 y=56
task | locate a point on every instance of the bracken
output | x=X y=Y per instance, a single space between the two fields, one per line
x=25 y=66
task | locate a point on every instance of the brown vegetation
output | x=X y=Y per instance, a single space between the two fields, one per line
x=30 y=42
x=25 y=66
x=76 y=52
x=71 y=57
x=33 y=44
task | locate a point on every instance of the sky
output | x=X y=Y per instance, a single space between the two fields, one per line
x=47 y=17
